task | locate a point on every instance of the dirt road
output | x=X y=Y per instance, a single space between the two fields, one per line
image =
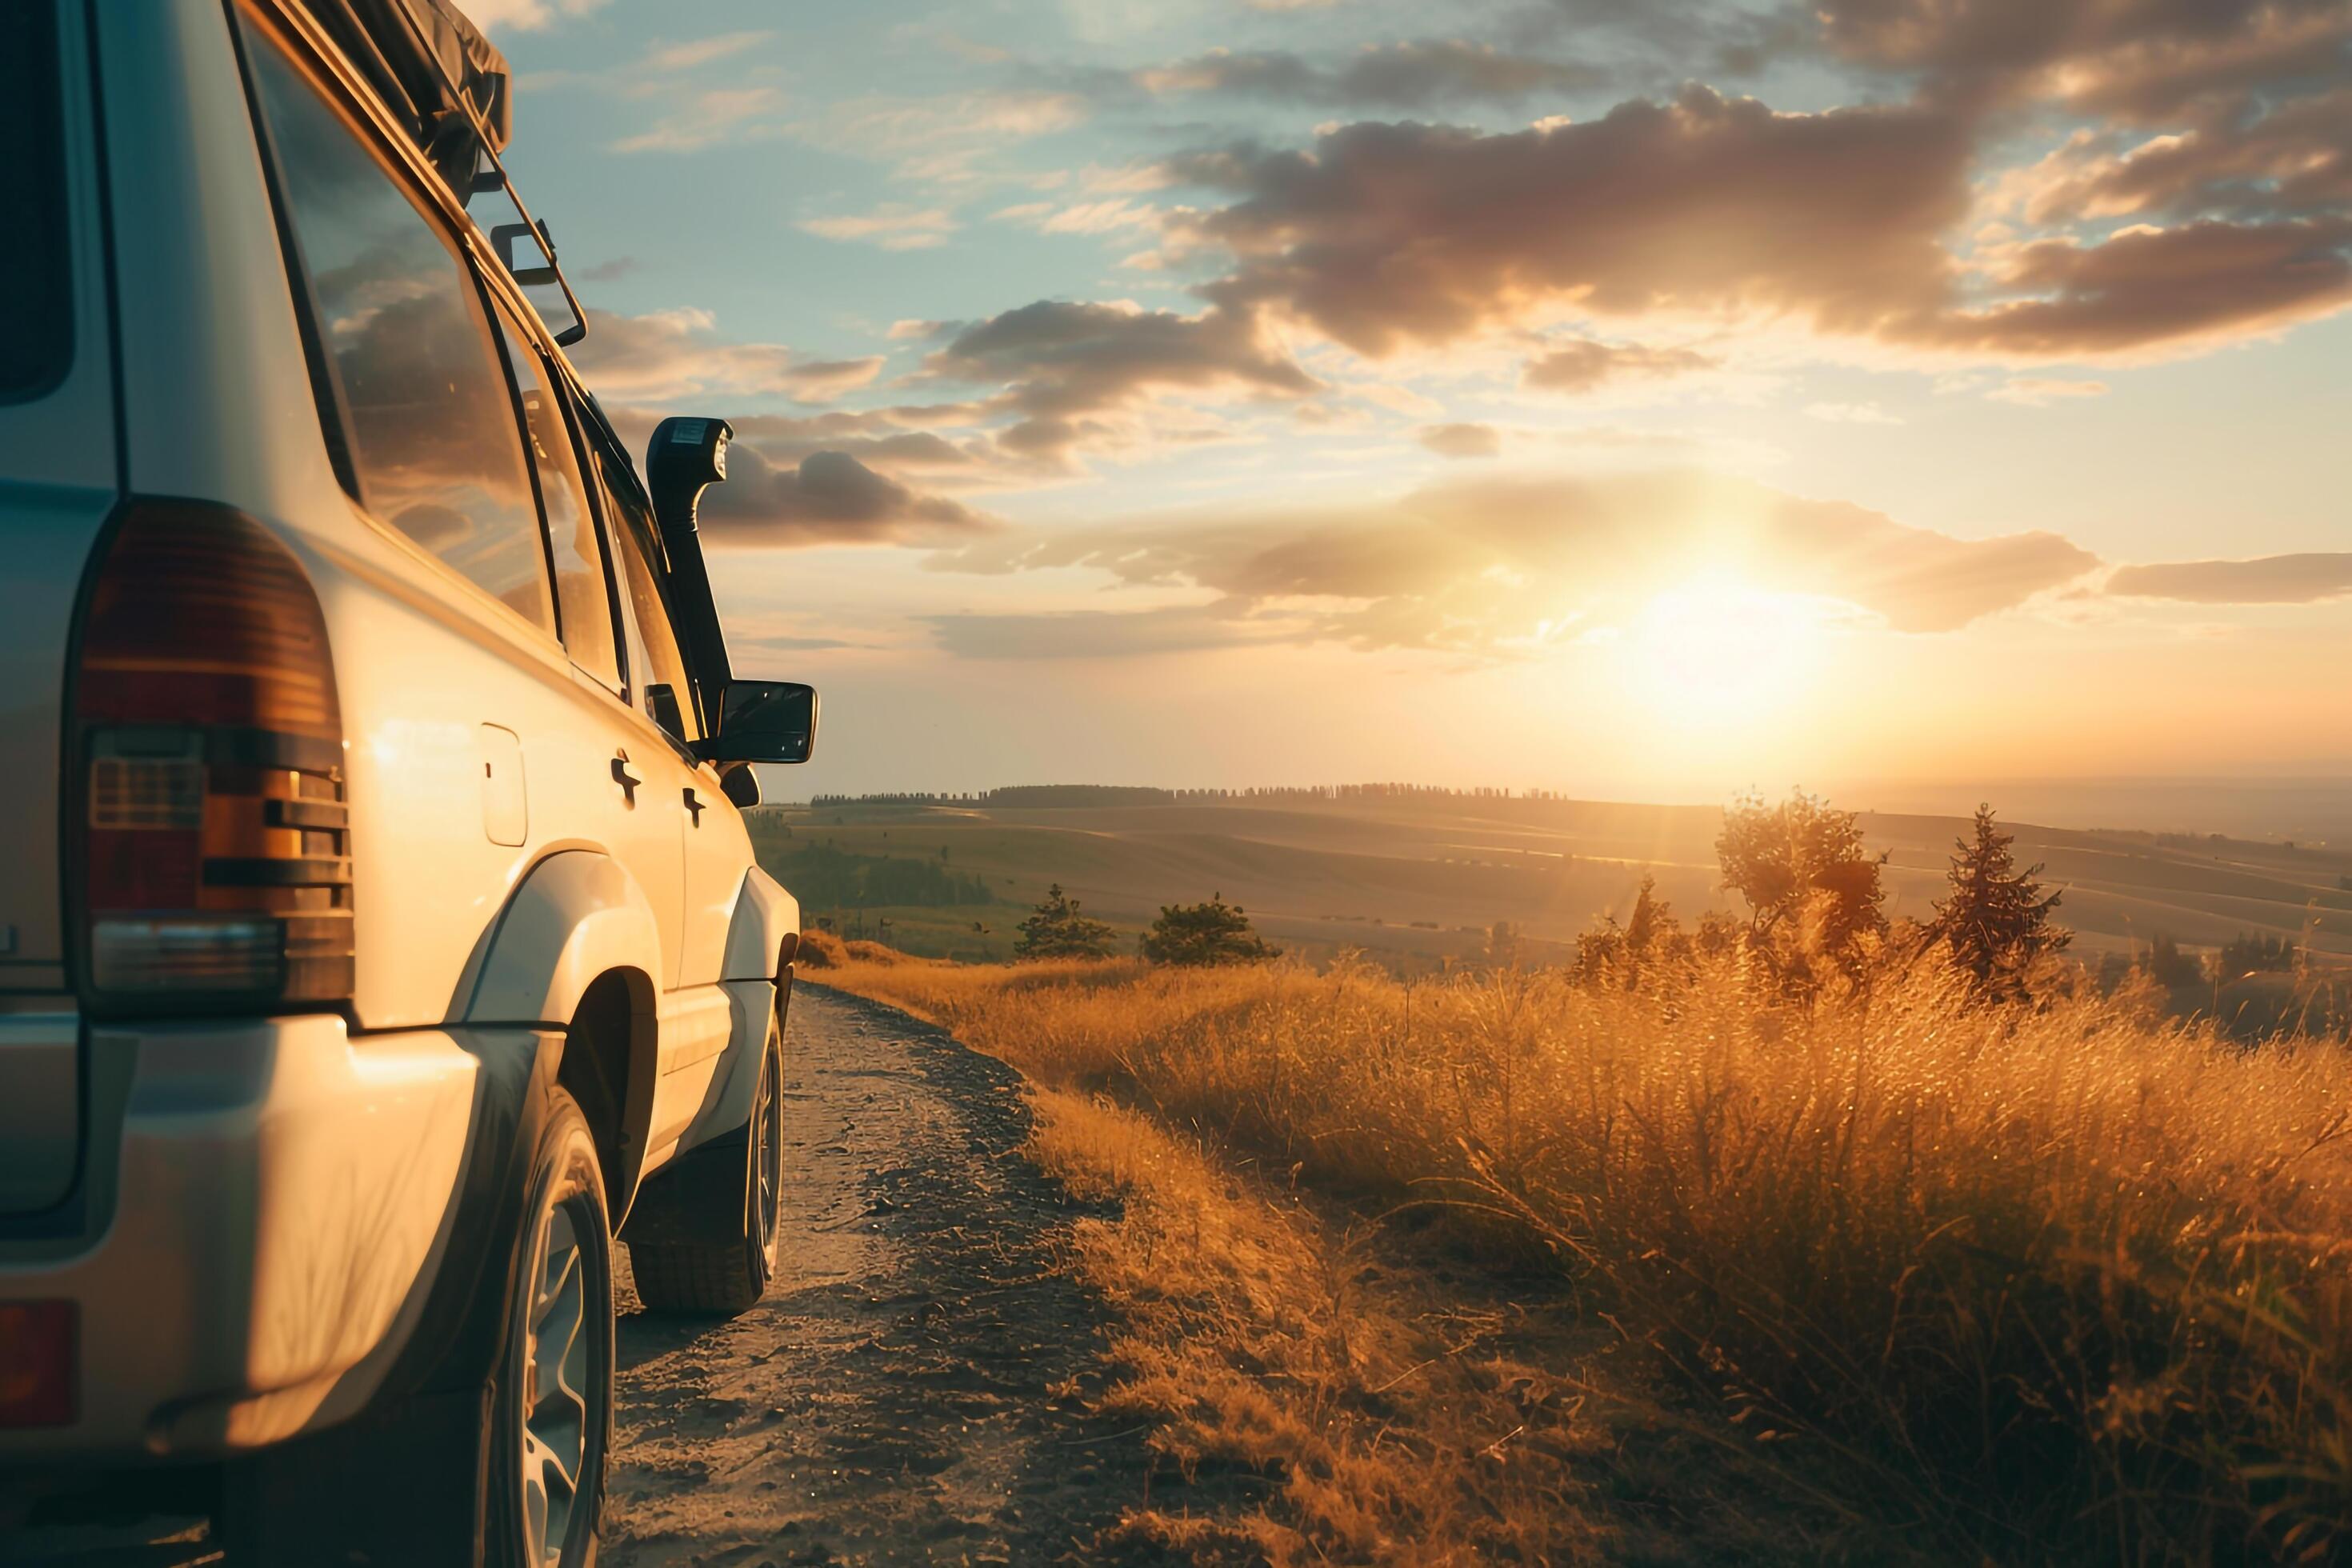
x=905 y=1394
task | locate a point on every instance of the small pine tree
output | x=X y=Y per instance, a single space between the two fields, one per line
x=1203 y=934
x=1997 y=922
x=1058 y=930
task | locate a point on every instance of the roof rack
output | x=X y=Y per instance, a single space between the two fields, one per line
x=486 y=69
x=503 y=235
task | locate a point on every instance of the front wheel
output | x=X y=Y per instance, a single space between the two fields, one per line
x=727 y=1277
x=552 y=1412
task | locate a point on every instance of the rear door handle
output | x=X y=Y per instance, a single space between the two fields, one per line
x=625 y=779
x=694 y=807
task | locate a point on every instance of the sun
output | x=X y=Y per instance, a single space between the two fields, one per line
x=1715 y=652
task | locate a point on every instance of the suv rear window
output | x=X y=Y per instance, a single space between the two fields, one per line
x=432 y=415
x=36 y=323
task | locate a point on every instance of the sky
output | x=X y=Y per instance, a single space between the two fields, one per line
x=1640 y=398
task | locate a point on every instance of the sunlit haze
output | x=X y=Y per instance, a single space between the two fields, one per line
x=1647 y=401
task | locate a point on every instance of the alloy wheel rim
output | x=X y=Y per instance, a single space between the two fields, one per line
x=557 y=1402
x=766 y=1134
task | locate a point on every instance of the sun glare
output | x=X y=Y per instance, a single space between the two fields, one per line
x=1713 y=653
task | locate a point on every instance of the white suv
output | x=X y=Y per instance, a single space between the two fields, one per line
x=379 y=933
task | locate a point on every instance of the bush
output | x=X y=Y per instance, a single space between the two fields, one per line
x=820 y=949
x=1205 y=935
x=1059 y=929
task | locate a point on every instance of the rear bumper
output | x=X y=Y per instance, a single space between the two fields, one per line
x=283 y=1194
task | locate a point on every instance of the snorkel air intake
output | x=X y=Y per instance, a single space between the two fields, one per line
x=686 y=457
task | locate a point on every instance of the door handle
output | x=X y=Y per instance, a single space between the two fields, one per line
x=694 y=807
x=625 y=779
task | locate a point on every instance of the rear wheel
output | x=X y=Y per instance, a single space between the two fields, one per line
x=729 y=1277
x=552 y=1412
x=510 y=1474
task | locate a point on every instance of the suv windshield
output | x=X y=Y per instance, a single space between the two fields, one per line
x=35 y=326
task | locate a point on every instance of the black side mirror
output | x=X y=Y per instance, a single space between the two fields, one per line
x=763 y=722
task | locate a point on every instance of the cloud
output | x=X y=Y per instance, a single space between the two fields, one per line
x=1850 y=414
x=941 y=140
x=1386 y=235
x=2148 y=288
x=893 y=226
x=1403 y=76
x=695 y=52
x=1066 y=366
x=710 y=115
x=1383 y=236
x=1463 y=440
x=2273 y=580
x=524 y=14
x=1096 y=634
x=2230 y=158
x=670 y=354
x=827 y=498
x=2141 y=57
x=2041 y=391
x=1491 y=566
x=1582 y=364
x=875 y=439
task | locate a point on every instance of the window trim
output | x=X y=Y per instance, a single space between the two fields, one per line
x=317 y=66
x=610 y=451
x=326 y=376
x=509 y=329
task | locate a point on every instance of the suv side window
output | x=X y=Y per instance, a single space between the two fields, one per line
x=35 y=267
x=583 y=597
x=431 y=420
x=636 y=542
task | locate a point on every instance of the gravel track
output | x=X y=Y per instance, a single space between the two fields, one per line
x=904 y=1392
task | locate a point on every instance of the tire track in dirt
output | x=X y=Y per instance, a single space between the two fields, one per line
x=906 y=1391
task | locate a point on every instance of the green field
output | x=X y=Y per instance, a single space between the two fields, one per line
x=1414 y=882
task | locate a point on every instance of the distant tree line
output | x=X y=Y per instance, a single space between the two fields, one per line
x=1063 y=797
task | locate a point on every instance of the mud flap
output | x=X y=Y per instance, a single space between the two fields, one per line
x=696 y=1200
x=371 y=1494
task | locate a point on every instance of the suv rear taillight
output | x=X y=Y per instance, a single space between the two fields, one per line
x=215 y=866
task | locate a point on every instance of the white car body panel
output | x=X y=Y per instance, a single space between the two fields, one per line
x=268 y=1199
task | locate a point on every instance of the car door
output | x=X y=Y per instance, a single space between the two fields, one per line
x=607 y=774
x=714 y=849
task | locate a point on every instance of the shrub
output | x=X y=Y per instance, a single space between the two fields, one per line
x=820 y=949
x=1204 y=936
x=1059 y=930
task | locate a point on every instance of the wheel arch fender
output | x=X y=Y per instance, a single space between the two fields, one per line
x=578 y=927
x=764 y=931
x=576 y=917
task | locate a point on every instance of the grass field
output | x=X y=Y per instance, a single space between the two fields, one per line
x=2061 y=1283
x=1415 y=883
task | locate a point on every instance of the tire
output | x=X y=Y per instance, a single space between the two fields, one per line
x=727 y=1278
x=551 y=1399
x=439 y=1476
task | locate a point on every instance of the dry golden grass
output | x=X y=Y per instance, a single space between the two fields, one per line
x=1392 y=1428
x=2027 y=1283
